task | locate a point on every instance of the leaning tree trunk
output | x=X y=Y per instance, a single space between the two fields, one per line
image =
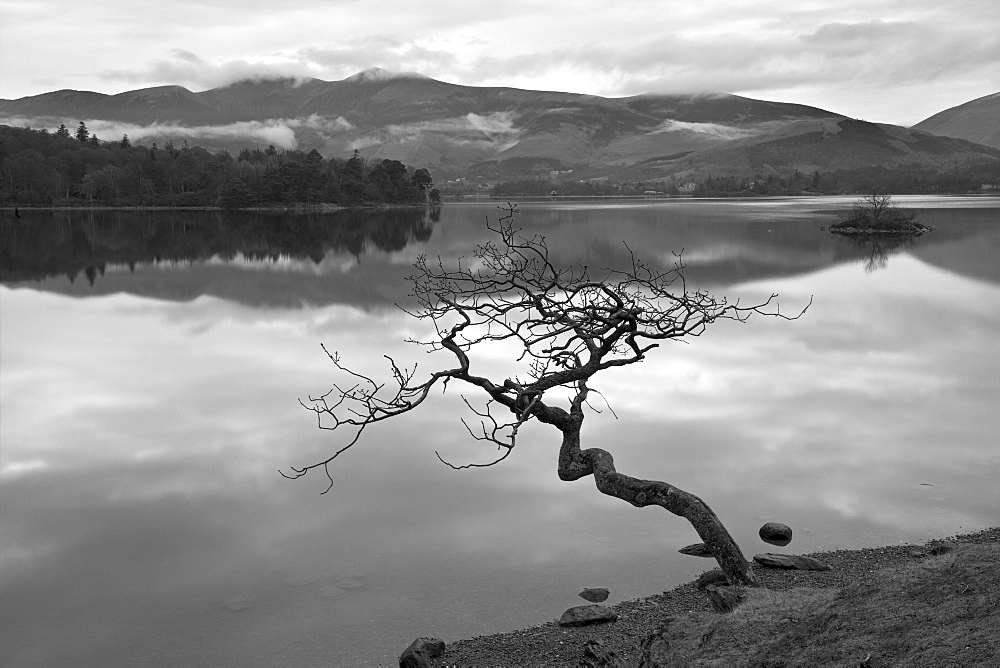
x=575 y=463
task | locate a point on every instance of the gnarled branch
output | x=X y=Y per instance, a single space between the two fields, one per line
x=570 y=324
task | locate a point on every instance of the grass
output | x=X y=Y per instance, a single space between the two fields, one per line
x=941 y=611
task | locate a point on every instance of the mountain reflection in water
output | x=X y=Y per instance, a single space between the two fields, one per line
x=147 y=409
x=215 y=248
x=45 y=244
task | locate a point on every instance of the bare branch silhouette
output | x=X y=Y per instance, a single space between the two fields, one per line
x=568 y=324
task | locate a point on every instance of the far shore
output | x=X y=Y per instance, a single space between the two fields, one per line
x=330 y=207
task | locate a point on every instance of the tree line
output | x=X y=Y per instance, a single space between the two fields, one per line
x=913 y=179
x=42 y=168
x=602 y=188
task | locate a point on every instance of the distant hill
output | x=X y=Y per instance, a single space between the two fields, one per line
x=977 y=121
x=497 y=132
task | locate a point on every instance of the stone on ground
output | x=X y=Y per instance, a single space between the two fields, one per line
x=584 y=615
x=795 y=561
x=713 y=577
x=421 y=653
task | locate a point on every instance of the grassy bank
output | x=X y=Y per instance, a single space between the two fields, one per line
x=896 y=605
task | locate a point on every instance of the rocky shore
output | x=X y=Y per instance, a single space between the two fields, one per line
x=553 y=645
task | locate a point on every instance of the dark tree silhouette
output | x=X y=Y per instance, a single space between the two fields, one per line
x=569 y=327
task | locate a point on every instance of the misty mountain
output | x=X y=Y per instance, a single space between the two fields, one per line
x=977 y=121
x=497 y=132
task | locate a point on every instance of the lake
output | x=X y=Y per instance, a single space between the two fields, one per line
x=152 y=366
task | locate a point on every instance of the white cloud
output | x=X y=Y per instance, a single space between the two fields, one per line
x=497 y=130
x=714 y=129
x=190 y=70
x=281 y=133
x=941 y=53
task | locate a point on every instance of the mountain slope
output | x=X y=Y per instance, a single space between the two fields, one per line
x=835 y=145
x=976 y=121
x=494 y=132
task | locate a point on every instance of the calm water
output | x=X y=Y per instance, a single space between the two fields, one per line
x=151 y=366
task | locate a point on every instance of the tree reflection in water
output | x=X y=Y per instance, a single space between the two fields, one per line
x=873 y=250
x=54 y=243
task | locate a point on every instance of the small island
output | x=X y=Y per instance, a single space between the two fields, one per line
x=878 y=214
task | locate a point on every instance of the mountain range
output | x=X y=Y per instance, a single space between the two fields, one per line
x=977 y=121
x=502 y=133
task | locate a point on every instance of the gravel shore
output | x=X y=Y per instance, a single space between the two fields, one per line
x=552 y=645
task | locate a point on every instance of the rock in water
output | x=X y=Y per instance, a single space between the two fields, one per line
x=696 y=550
x=776 y=533
x=723 y=599
x=796 y=561
x=713 y=577
x=584 y=615
x=595 y=594
x=421 y=653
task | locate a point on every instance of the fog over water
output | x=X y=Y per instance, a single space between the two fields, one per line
x=149 y=402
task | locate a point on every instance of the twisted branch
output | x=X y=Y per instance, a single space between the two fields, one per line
x=569 y=326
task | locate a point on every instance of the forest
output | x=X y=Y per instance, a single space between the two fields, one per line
x=907 y=179
x=64 y=168
x=913 y=179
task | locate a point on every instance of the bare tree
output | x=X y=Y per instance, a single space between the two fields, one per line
x=877 y=203
x=568 y=327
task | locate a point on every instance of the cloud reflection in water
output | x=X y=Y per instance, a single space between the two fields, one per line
x=143 y=515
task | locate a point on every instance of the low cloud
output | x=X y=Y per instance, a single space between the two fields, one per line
x=280 y=132
x=186 y=68
x=277 y=132
x=499 y=129
x=714 y=129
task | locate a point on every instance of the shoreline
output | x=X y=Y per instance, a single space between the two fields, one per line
x=549 y=644
x=294 y=208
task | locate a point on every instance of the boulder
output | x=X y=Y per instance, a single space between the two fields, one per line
x=776 y=533
x=421 y=653
x=795 y=561
x=713 y=577
x=584 y=615
x=724 y=599
x=696 y=550
x=594 y=594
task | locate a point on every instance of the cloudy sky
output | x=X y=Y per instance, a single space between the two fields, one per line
x=894 y=61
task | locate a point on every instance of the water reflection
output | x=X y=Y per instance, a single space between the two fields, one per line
x=362 y=257
x=875 y=249
x=144 y=521
x=43 y=244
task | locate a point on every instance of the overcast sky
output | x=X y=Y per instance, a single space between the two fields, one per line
x=880 y=60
